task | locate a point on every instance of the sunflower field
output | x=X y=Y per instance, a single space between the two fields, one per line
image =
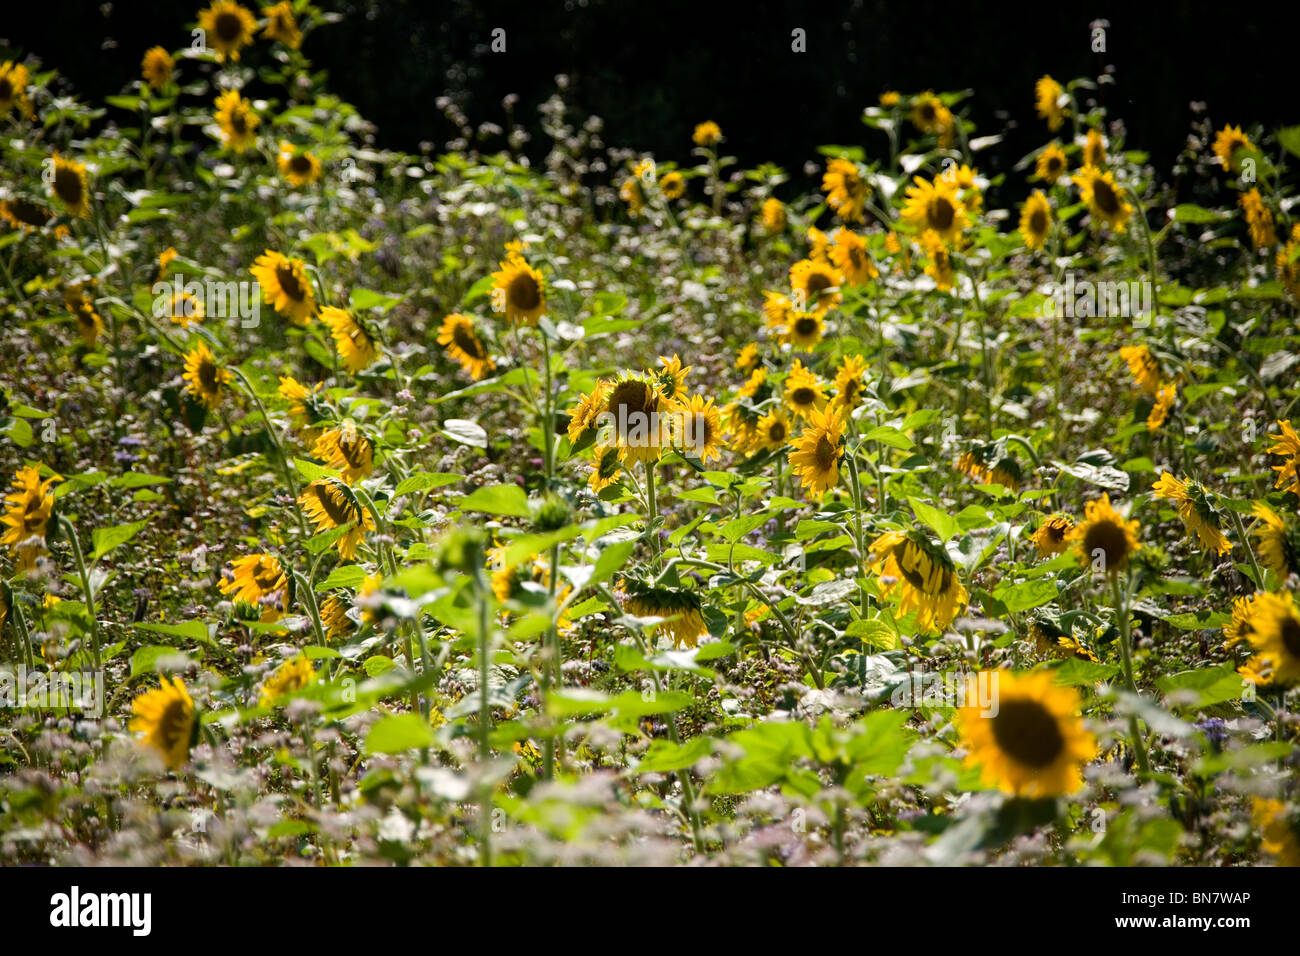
x=363 y=507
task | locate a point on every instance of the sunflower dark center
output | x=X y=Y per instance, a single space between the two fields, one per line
x=826 y=453
x=300 y=164
x=353 y=451
x=805 y=326
x=1291 y=636
x=229 y=27
x=803 y=396
x=288 y=279
x=172 y=723
x=776 y=432
x=68 y=185
x=208 y=376
x=335 y=507
x=1054 y=164
x=1105 y=197
x=1027 y=732
x=6 y=89
x=524 y=293
x=267 y=577
x=1108 y=538
x=817 y=282
x=28 y=212
x=927 y=112
x=1038 y=221
x=629 y=399
x=942 y=213
x=468 y=342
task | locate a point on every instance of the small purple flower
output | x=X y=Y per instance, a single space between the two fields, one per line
x=1215 y=730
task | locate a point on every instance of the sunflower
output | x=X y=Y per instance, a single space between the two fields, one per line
x=1143 y=367
x=1239 y=628
x=921 y=568
x=1052 y=535
x=933 y=205
x=815 y=455
x=773 y=431
x=293 y=675
x=229 y=27
x=164 y=721
x=680 y=609
x=640 y=425
x=1106 y=535
x=285 y=286
x=281 y=27
x=1274 y=634
x=28 y=510
x=849 y=383
x=1287 y=444
x=347 y=450
x=13 y=88
x=1196 y=507
x=165 y=259
x=632 y=192
x=890 y=98
x=819 y=245
x=850 y=256
x=24 y=214
x=330 y=504
x=816 y=285
x=1105 y=201
x=1007 y=473
x=804 y=330
x=846 y=190
x=458 y=336
x=929 y=115
x=304 y=406
x=939 y=266
x=804 y=391
x=1259 y=220
x=356 y=346
x=258 y=580
x=237 y=121
x=698 y=428
x=1051 y=163
x=1279 y=835
x=185 y=309
x=334 y=618
x=671 y=379
x=1036 y=220
x=584 y=417
x=776 y=309
x=298 y=166
x=747 y=357
x=607 y=463
x=1166 y=396
x=707 y=133
x=1047 y=101
x=1288 y=263
x=773 y=216
x=156 y=67
x=205 y=377
x=753 y=383
x=1279 y=542
x=672 y=185
x=1094 y=149
x=741 y=422
x=1033 y=743
x=1227 y=142
x=519 y=291
x=69 y=185
x=90 y=325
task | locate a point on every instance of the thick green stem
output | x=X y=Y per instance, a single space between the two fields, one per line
x=1119 y=596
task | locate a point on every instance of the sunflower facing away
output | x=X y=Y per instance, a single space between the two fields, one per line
x=1094 y=149
x=583 y=417
x=607 y=464
x=1273 y=630
x=927 y=577
x=815 y=455
x=281 y=27
x=1196 y=507
x=460 y=340
x=1228 y=142
x=204 y=378
x=1048 y=96
x=69 y=185
x=773 y=216
x=680 y=609
x=258 y=580
x=299 y=167
x=285 y=286
x=1144 y=368
x=1279 y=541
x=1166 y=397
x=846 y=190
x=293 y=675
x=671 y=379
x=1052 y=535
x=28 y=509
x=934 y=205
x=1104 y=539
x=939 y=266
x=156 y=67
x=1287 y=444
x=1051 y=163
x=24 y=214
x=163 y=720
x=706 y=134
x=13 y=88
x=228 y=27
x=356 y=346
x=347 y=450
x=519 y=291
x=1036 y=220
x=305 y=406
x=237 y=121
x=1105 y=201
x=77 y=298
x=1259 y=220
x=330 y=504
x=1034 y=744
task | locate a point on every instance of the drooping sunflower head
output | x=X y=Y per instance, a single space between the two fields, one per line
x=228 y=27
x=293 y=675
x=815 y=455
x=816 y=284
x=68 y=183
x=459 y=338
x=1279 y=541
x=1228 y=142
x=584 y=418
x=747 y=358
x=939 y=264
x=237 y=121
x=297 y=166
x=804 y=390
x=1144 y=368
x=79 y=301
x=921 y=570
x=28 y=510
x=1197 y=507
x=258 y=580
x=305 y=406
x=285 y=286
x=164 y=721
x=1094 y=148
x=347 y=449
x=13 y=88
x=846 y=189
x=697 y=428
x=1050 y=102
x=850 y=256
x=156 y=67
x=1274 y=634
x=185 y=309
x=205 y=379
x=935 y=206
x=1106 y=203
x=1166 y=397
x=335 y=618
x=1051 y=163
x=680 y=609
x=671 y=379
x=1104 y=540
x=707 y=134
x=1259 y=219
x=1287 y=444
x=281 y=27
x=775 y=309
x=1036 y=220
x=1031 y=741
x=756 y=382
x=24 y=214
x=519 y=291
x=329 y=503
x=1052 y=536
x=356 y=345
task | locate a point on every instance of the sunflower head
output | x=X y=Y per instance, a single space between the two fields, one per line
x=259 y=580
x=1273 y=630
x=815 y=455
x=461 y=341
x=1279 y=541
x=1228 y=143
x=773 y=216
x=850 y=383
x=1051 y=163
x=205 y=379
x=1105 y=200
x=347 y=449
x=681 y=610
x=1104 y=540
x=606 y=467
x=816 y=284
x=1052 y=536
x=1049 y=101
x=329 y=503
x=1036 y=220
x=707 y=134
x=356 y=345
x=921 y=570
x=297 y=166
x=28 y=510
x=156 y=67
x=638 y=414
x=519 y=291
x=69 y=185
x=164 y=721
x=804 y=391
x=935 y=205
x=850 y=256
x=672 y=185
x=285 y=286
x=293 y=675
x=237 y=121
x=228 y=28
x=281 y=27
x=846 y=189
x=13 y=88
x=697 y=428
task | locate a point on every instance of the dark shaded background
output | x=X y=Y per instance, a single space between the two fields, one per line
x=654 y=69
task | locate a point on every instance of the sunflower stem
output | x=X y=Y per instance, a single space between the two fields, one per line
x=1119 y=596
x=86 y=589
x=1250 y=551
